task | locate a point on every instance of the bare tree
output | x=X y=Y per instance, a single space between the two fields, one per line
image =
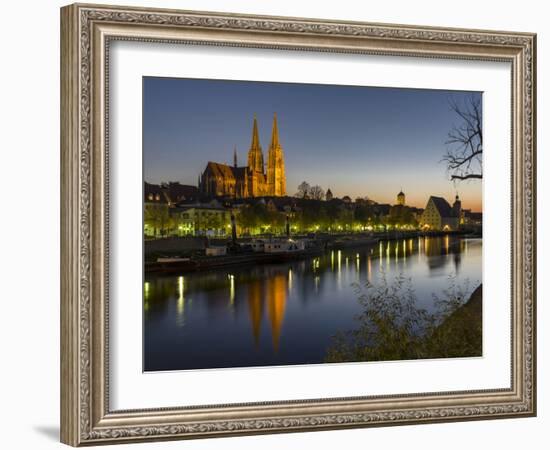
x=303 y=190
x=465 y=142
x=316 y=193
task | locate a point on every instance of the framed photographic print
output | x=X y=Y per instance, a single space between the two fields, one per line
x=275 y=224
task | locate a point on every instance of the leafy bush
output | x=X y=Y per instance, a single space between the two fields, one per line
x=393 y=327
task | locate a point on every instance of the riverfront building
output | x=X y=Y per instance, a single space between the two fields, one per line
x=202 y=220
x=440 y=215
x=159 y=201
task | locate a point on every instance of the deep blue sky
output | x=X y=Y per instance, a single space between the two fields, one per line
x=357 y=141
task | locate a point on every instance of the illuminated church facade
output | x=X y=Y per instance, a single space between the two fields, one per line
x=252 y=180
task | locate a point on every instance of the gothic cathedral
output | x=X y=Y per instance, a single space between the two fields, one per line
x=223 y=180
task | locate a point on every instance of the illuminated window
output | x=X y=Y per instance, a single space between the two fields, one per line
x=150 y=196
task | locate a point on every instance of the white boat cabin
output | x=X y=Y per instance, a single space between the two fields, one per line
x=284 y=246
x=258 y=245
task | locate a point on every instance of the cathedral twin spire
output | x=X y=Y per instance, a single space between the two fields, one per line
x=276 y=178
x=274 y=134
x=255 y=155
x=276 y=182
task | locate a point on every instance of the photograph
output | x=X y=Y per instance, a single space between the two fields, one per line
x=292 y=223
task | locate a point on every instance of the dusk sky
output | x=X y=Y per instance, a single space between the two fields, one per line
x=357 y=141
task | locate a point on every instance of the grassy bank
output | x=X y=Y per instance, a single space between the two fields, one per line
x=460 y=334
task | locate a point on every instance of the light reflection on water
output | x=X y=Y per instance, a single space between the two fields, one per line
x=283 y=314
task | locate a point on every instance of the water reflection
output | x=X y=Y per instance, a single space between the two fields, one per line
x=180 y=320
x=276 y=302
x=256 y=307
x=285 y=313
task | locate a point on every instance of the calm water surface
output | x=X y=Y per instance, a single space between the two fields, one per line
x=284 y=314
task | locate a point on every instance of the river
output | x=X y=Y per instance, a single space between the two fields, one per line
x=283 y=314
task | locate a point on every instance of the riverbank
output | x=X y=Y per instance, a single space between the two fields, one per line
x=202 y=263
x=460 y=334
x=188 y=253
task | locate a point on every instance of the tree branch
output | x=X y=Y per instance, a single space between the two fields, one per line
x=466 y=177
x=465 y=141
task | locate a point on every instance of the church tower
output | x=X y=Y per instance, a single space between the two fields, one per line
x=401 y=198
x=255 y=155
x=276 y=179
x=457 y=209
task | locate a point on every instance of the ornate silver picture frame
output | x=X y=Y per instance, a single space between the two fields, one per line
x=87 y=32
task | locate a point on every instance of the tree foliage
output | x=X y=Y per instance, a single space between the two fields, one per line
x=303 y=190
x=158 y=218
x=392 y=326
x=316 y=193
x=401 y=215
x=258 y=218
